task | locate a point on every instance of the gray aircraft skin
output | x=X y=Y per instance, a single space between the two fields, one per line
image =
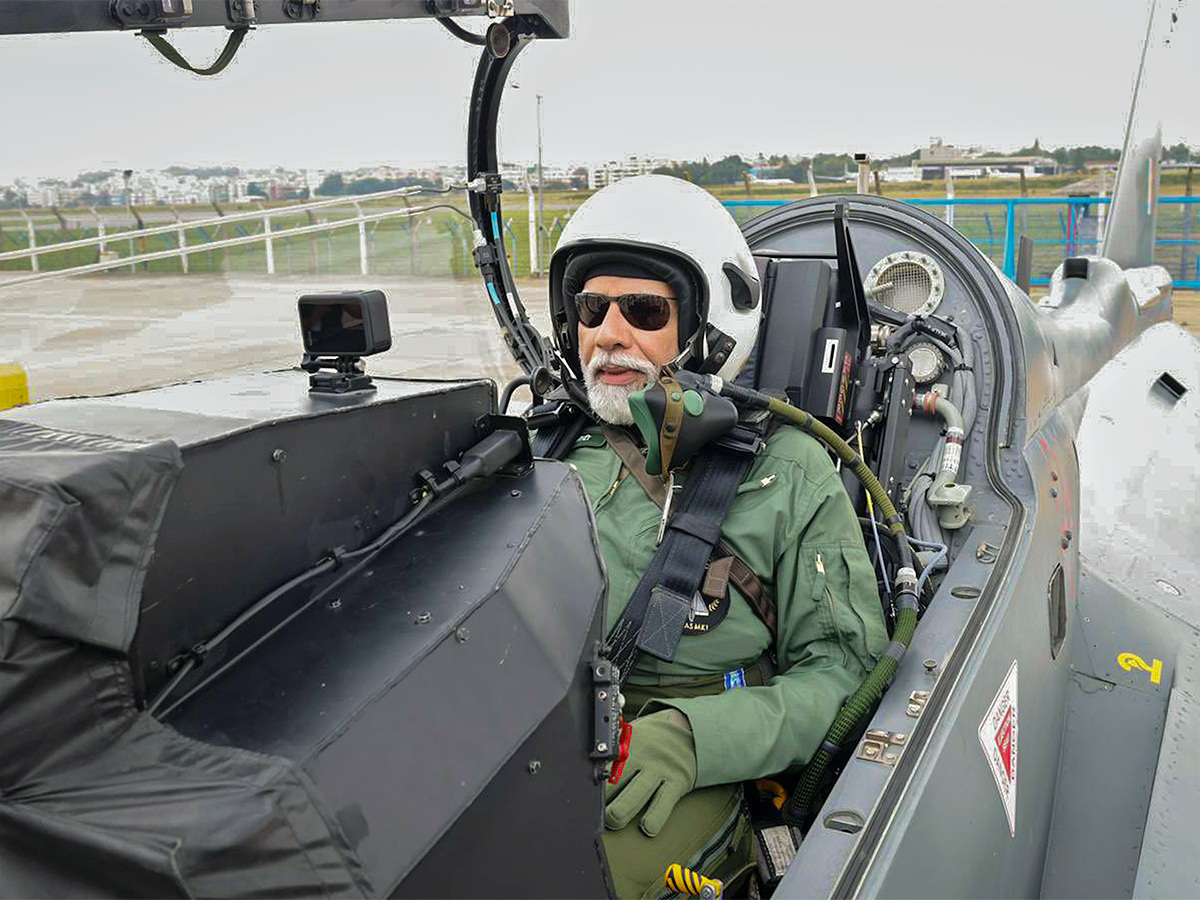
x=1038 y=739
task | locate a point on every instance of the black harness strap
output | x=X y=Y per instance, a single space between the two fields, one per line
x=544 y=439
x=727 y=566
x=556 y=441
x=653 y=619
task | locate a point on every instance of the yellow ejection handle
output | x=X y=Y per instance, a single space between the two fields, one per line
x=684 y=881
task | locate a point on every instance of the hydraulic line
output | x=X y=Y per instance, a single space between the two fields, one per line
x=923 y=519
x=861 y=703
x=942 y=552
x=931 y=403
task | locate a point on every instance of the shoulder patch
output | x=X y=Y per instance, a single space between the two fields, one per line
x=706 y=614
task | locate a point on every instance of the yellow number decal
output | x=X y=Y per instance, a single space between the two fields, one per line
x=1128 y=661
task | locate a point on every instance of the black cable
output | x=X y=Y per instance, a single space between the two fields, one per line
x=521 y=327
x=197 y=653
x=461 y=33
x=509 y=389
x=450 y=206
x=566 y=439
x=427 y=504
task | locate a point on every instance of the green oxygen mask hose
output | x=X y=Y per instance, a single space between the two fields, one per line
x=855 y=711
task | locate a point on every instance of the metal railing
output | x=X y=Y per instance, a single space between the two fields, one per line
x=1070 y=226
x=1057 y=227
x=182 y=250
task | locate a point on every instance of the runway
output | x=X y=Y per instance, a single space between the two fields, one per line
x=99 y=335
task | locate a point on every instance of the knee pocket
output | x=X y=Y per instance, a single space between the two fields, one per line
x=708 y=831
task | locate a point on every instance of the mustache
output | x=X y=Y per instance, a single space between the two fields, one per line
x=601 y=358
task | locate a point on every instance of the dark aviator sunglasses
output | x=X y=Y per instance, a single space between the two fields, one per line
x=647 y=312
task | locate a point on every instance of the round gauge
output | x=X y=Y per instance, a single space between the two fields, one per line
x=907 y=281
x=927 y=362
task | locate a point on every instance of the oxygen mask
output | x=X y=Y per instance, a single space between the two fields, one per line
x=678 y=416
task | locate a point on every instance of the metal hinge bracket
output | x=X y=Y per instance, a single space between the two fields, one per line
x=882 y=747
x=242 y=12
x=916 y=703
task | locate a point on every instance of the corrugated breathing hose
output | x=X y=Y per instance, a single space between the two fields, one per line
x=859 y=705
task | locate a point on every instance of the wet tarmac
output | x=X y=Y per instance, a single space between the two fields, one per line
x=103 y=334
x=99 y=335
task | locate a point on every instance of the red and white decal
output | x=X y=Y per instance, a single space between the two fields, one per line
x=998 y=735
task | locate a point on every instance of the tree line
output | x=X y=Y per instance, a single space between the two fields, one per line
x=733 y=169
x=336 y=185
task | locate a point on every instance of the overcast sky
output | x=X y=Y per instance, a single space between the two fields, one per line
x=674 y=78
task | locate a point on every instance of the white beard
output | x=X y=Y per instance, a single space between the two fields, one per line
x=611 y=401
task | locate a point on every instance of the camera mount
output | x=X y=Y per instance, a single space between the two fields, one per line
x=349 y=374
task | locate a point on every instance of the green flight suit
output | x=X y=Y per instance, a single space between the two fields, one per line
x=793 y=524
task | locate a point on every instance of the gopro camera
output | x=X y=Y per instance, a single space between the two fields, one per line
x=338 y=329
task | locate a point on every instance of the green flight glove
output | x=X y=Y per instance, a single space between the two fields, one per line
x=661 y=768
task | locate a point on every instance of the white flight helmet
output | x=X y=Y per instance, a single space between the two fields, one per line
x=680 y=234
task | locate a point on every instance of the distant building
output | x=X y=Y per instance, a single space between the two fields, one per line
x=604 y=174
x=49 y=193
x=938 y=153
x=934 y=160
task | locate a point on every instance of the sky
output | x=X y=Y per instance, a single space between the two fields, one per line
x=674 y=78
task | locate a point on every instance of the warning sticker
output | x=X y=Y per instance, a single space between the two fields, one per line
x=998 y=735
x=951 y=456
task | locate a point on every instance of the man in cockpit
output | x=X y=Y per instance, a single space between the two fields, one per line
x=794 y=623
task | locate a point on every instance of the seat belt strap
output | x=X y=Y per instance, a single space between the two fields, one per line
x=754 y=590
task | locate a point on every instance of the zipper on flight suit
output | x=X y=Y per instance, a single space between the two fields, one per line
x=820 y=563
x=612 y=490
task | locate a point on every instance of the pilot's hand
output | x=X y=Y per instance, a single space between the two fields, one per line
x=660 y=770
